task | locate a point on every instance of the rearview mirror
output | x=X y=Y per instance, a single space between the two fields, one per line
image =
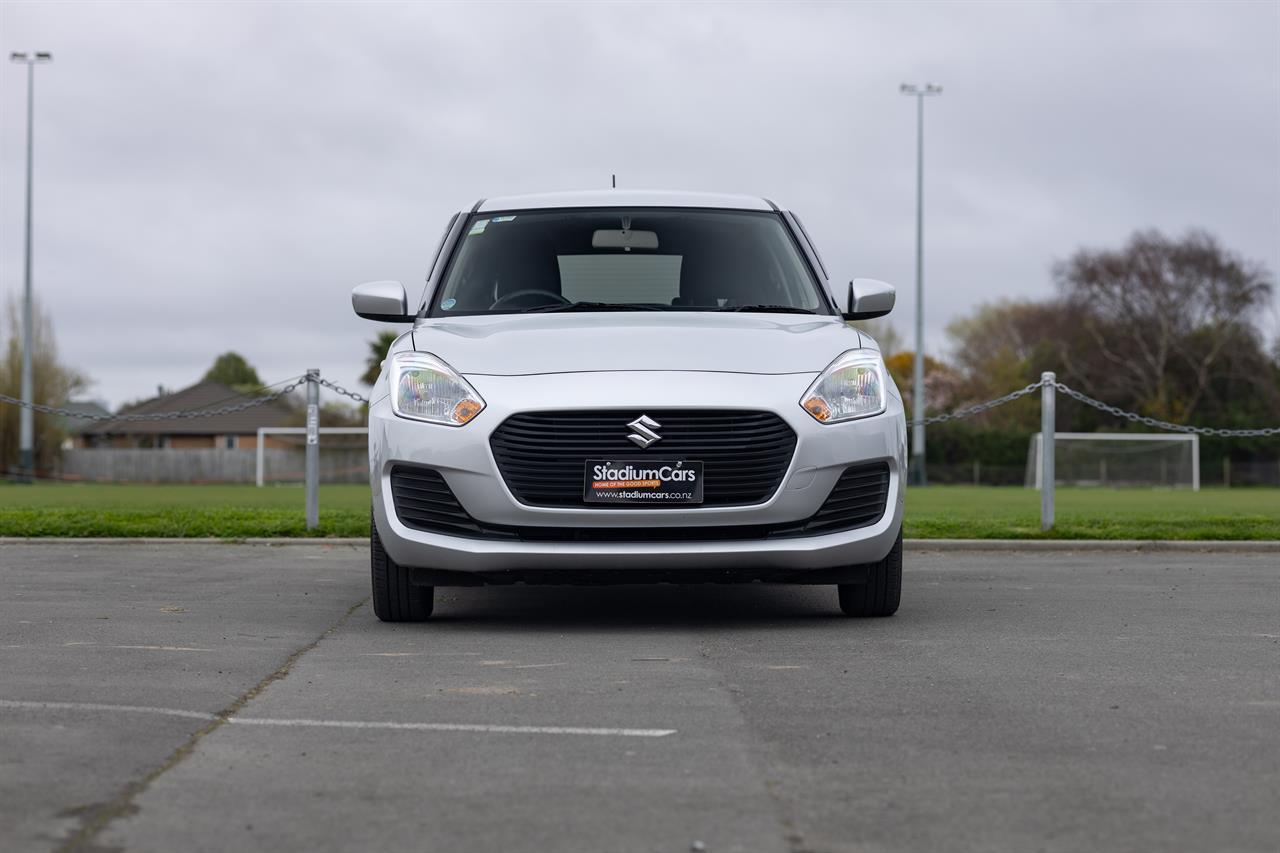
x=868 y=299
x=381 y=300
x=605 y=238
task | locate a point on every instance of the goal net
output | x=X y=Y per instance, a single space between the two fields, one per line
x=282 y=455
x=1119 y=459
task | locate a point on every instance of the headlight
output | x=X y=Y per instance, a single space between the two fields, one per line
x=424 y=388
x=851 y=387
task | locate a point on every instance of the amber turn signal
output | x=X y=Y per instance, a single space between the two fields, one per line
x=466 y=410
x=817 y=407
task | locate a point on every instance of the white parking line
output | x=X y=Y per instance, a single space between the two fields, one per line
x=455 y=727
x=94 y=706
x=337 y=724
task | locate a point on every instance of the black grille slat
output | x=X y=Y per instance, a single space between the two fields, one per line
x=424 y=501
x=542 y=455
x=858 y=499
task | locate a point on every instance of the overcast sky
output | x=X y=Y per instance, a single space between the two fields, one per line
x=214 y=176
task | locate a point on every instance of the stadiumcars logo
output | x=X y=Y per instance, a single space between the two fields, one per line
x=647 y=481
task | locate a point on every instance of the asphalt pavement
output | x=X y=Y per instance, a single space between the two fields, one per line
x=223 y=697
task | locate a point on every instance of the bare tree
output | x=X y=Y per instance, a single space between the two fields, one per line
x=53 y=383
x=1160 y=314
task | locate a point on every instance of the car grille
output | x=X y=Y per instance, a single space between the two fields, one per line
x=542 y=454
x=424 y=501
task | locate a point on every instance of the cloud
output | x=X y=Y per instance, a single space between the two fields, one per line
x=217 y=176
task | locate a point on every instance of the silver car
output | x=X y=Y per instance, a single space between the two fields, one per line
x=631 y=387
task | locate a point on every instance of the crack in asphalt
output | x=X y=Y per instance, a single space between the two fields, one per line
x=122 y=805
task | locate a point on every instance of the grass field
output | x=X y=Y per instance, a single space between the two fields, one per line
x=962 y=512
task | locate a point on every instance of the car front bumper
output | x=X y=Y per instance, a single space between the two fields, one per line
x=463 y=457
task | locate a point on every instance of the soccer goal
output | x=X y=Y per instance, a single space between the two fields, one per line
x=1119 y=459
x=282 y=455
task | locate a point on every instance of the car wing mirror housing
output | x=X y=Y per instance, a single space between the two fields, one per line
x=868 y=299
x=381 y=300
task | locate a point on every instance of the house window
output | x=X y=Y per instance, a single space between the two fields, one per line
x=165 y=442
x=232 y=441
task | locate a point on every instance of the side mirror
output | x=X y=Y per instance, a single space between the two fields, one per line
x=381 y=300
x=869 y=299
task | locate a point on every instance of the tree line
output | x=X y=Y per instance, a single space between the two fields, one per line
x=1164 y=327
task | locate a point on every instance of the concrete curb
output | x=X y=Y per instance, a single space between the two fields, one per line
x=1257 y=546
x=1264 y=546
x=180 y=540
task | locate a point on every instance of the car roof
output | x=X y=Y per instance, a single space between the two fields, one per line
x=623 y=198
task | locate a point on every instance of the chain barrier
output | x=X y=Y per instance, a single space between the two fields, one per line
x=1159 y=424
x=158 y=416
x=966 y=412
x=1114 y=411
x=969 y=411
x=335 y=387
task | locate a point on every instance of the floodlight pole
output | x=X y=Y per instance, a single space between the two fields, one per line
x=917 y=470
x=26 y=421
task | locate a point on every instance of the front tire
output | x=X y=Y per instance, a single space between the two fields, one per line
x=882 y=592
x=395 y=599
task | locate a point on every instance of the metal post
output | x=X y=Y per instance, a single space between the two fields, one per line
x=313 y=448
x=1195 y=463
x=1048 y=412
x=26 y=418
x=917 y=467
x=260 y=460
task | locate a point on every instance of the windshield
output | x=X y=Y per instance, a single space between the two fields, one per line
x=627 y=260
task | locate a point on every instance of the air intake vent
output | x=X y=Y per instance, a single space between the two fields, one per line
x=424 y=501
x=857 y=500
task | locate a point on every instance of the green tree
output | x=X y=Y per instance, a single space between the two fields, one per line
x=53 y=384
x=378 y=348
x=232 y=370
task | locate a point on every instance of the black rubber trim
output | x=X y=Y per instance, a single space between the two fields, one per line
x=424 y=501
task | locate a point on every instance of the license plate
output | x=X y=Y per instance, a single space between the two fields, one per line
x=643 y=482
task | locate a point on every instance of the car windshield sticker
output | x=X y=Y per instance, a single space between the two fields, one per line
x=477 y=227
x=498 y=219
x=448 y=303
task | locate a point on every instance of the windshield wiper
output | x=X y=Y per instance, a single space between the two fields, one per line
x=592 y=306
x=768 y=309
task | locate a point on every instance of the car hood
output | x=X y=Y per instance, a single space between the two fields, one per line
x=522 y=344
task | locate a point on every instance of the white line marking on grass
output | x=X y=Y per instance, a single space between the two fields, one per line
x=336 y=724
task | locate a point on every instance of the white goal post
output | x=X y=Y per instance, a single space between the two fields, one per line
x=265 y=431
x=1118 y=459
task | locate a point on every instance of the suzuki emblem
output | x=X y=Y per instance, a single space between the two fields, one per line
x=642 y=431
